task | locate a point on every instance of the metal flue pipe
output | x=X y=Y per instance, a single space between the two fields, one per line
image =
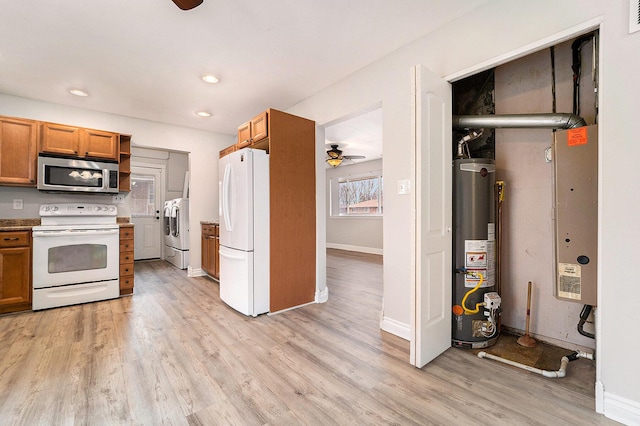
x=519 y=121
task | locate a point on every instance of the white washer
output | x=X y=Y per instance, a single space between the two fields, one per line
x=177 y=242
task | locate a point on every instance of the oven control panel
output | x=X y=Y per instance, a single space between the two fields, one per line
x=72 y=209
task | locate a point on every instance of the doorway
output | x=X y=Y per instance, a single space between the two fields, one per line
x=147 y=189
x=354 y=182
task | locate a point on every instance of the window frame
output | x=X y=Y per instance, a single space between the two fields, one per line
x=334 y=194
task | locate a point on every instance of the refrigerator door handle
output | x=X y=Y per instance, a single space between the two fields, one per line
x=229 y=254
x=226 y=194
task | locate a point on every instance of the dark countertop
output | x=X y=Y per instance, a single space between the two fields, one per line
x=18 y=224
x=208 y=222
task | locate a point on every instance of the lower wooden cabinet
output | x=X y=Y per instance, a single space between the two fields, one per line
x=15 y=271
x=211 y=250
x=126 y=260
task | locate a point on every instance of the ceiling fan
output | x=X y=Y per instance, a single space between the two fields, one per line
x=187 y=4
x=336 y=157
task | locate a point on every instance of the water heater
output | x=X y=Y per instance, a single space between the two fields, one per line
x=474 y=299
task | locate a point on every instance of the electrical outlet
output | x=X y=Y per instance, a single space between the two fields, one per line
x=118 y=199
x=17 y=204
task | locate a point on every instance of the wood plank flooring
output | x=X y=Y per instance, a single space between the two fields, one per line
x=175 y=354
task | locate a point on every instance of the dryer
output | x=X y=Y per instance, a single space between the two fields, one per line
x=176 y=232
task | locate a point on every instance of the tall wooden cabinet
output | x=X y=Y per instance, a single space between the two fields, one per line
x=18 y=151
x=15 y=271
x=290 y=141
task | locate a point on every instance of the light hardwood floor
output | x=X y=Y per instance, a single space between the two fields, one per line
x=175 y=354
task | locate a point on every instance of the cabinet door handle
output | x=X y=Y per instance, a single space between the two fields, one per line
x=11 y=239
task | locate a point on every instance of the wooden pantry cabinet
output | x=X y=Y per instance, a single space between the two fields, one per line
x=126 y=259
x=211 y=249
x=290 y=142
x=18 y=151
x=15 y=271
x=60 y=139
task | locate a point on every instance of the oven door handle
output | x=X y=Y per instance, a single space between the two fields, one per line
x=78 y=232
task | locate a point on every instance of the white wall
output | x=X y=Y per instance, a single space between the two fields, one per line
x=497 y=32
x=353 y=233
x=202 y=146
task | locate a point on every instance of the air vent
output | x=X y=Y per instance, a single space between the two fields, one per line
x=634 y=16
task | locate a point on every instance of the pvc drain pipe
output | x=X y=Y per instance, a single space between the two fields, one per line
x=546 y=373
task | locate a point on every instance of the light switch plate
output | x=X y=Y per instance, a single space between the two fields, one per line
x=404 y=186
x=17 y=204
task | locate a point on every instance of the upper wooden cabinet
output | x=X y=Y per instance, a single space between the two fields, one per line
x=78 y=142
x=253 y=131
x=18 y=151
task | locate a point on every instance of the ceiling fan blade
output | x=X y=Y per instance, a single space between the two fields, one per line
x=354 y=157
x=187 y=4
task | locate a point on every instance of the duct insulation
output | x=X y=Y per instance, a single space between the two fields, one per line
x=519 y=121
x=474 y=254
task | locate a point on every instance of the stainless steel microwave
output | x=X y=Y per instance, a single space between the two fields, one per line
x=73 y=175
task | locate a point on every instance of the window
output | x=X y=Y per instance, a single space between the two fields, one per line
x=357 y=195
x=143 y=195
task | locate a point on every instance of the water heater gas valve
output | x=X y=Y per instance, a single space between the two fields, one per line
x=492 y=300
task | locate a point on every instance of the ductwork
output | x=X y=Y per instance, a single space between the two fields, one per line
x=519 y=121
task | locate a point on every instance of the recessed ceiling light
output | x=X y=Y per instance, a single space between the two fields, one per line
x=78 y=92
x=210 y=78
x=203 y=113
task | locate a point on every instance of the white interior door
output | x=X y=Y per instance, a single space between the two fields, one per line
x=431 y=310
x=146 y=211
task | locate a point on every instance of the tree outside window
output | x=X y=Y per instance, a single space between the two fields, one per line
x=360 y=196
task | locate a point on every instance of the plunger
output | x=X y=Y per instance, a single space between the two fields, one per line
x=526 y=340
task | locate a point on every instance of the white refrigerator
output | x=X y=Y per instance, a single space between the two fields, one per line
x=244 y=231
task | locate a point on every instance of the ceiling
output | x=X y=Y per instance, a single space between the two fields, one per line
x=360 y=135
x=144 y=58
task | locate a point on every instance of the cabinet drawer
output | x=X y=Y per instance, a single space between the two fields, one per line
x=126 y=282
x=126 y=269
x=126 y=245
x=126 y=258
x=126 y=233
x=209 y=230
x=14 y=239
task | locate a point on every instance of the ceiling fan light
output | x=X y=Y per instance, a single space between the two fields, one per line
x=334 y=162
x=334 y=152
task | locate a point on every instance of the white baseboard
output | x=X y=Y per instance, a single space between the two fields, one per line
x=195 y=272
x=395 y=327
x=322 y=296
x=370 y=250
x=621 y=409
